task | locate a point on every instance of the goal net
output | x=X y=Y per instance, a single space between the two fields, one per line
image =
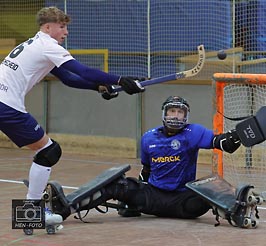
x=237 y=96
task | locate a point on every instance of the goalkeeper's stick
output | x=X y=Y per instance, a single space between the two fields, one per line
x=175 y=76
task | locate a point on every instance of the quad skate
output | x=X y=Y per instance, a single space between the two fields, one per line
x=245 y=212
x=53 y=222
x=237 y=206
x=51 y=226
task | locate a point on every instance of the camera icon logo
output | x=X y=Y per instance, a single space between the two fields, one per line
x=28 y=213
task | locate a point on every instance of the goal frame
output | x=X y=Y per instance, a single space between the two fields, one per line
x=220 y=80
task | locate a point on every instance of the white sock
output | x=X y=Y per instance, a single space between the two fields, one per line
x=38 y=178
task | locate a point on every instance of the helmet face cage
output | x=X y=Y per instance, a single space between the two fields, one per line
x=172 y=122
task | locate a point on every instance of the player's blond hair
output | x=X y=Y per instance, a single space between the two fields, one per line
x=51 y=14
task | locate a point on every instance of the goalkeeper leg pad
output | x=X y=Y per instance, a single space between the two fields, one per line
x=237 y=206
x=87 y=196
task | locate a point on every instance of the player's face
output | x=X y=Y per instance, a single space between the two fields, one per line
x=58 y=31
x=176 y=112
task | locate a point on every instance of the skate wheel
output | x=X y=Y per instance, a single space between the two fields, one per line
x=251 y=200
x=45 y=196
x=50 y=229
x=247 y=222
x=254 y=224
x=259 y=200
x=59 y=227
x=28 y=231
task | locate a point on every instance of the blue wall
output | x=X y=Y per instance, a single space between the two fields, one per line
x=121 y=26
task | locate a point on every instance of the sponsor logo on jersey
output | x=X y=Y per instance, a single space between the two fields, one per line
x=152 y=146
x=37 y=127
x=165 y=159
x=10 y=64
x=3 y=87
x=175 y=144
x=204 y=181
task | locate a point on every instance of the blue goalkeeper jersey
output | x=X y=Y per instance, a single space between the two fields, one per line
x=173 y=159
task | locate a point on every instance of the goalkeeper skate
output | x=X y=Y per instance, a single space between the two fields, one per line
x=237 y=206
x=90 y=195
x=53 y=222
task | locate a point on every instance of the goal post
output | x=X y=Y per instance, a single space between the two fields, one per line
x=236 y=96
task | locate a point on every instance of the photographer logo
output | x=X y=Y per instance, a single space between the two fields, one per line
x=28 y=214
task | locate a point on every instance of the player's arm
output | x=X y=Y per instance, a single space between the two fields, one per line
x=144 y=173
x=228 y=142
x=145 y=159
x=130 y=85
x=73 y=80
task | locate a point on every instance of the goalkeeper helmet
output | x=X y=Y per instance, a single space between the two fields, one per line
x=172 y=122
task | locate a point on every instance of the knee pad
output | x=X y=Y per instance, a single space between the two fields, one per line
x=125 y=185
x=49 y=156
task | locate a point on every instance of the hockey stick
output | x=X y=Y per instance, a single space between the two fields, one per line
x=175 y=76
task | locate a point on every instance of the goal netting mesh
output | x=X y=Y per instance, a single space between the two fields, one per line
x=238 y=96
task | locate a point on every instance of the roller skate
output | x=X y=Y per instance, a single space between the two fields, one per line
x=53 y=221
x=245 y=212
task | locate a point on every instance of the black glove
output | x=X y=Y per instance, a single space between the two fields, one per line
x=228 y=142
x=131 y=85
x=107 y=92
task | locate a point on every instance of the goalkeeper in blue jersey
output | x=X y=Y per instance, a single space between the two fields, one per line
x=169 y=157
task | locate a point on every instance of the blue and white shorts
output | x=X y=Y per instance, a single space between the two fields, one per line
x=20 y=127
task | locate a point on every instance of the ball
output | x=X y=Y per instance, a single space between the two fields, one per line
x=221 y=54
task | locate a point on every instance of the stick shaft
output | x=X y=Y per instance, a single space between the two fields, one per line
x=175 y=76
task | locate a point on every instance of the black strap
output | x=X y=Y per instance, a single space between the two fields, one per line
x=82 y=218
x=257 y=213
x=236 y=118
x=101 y=211
x=215 y=212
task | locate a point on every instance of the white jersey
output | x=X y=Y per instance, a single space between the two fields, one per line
x=26 y=65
